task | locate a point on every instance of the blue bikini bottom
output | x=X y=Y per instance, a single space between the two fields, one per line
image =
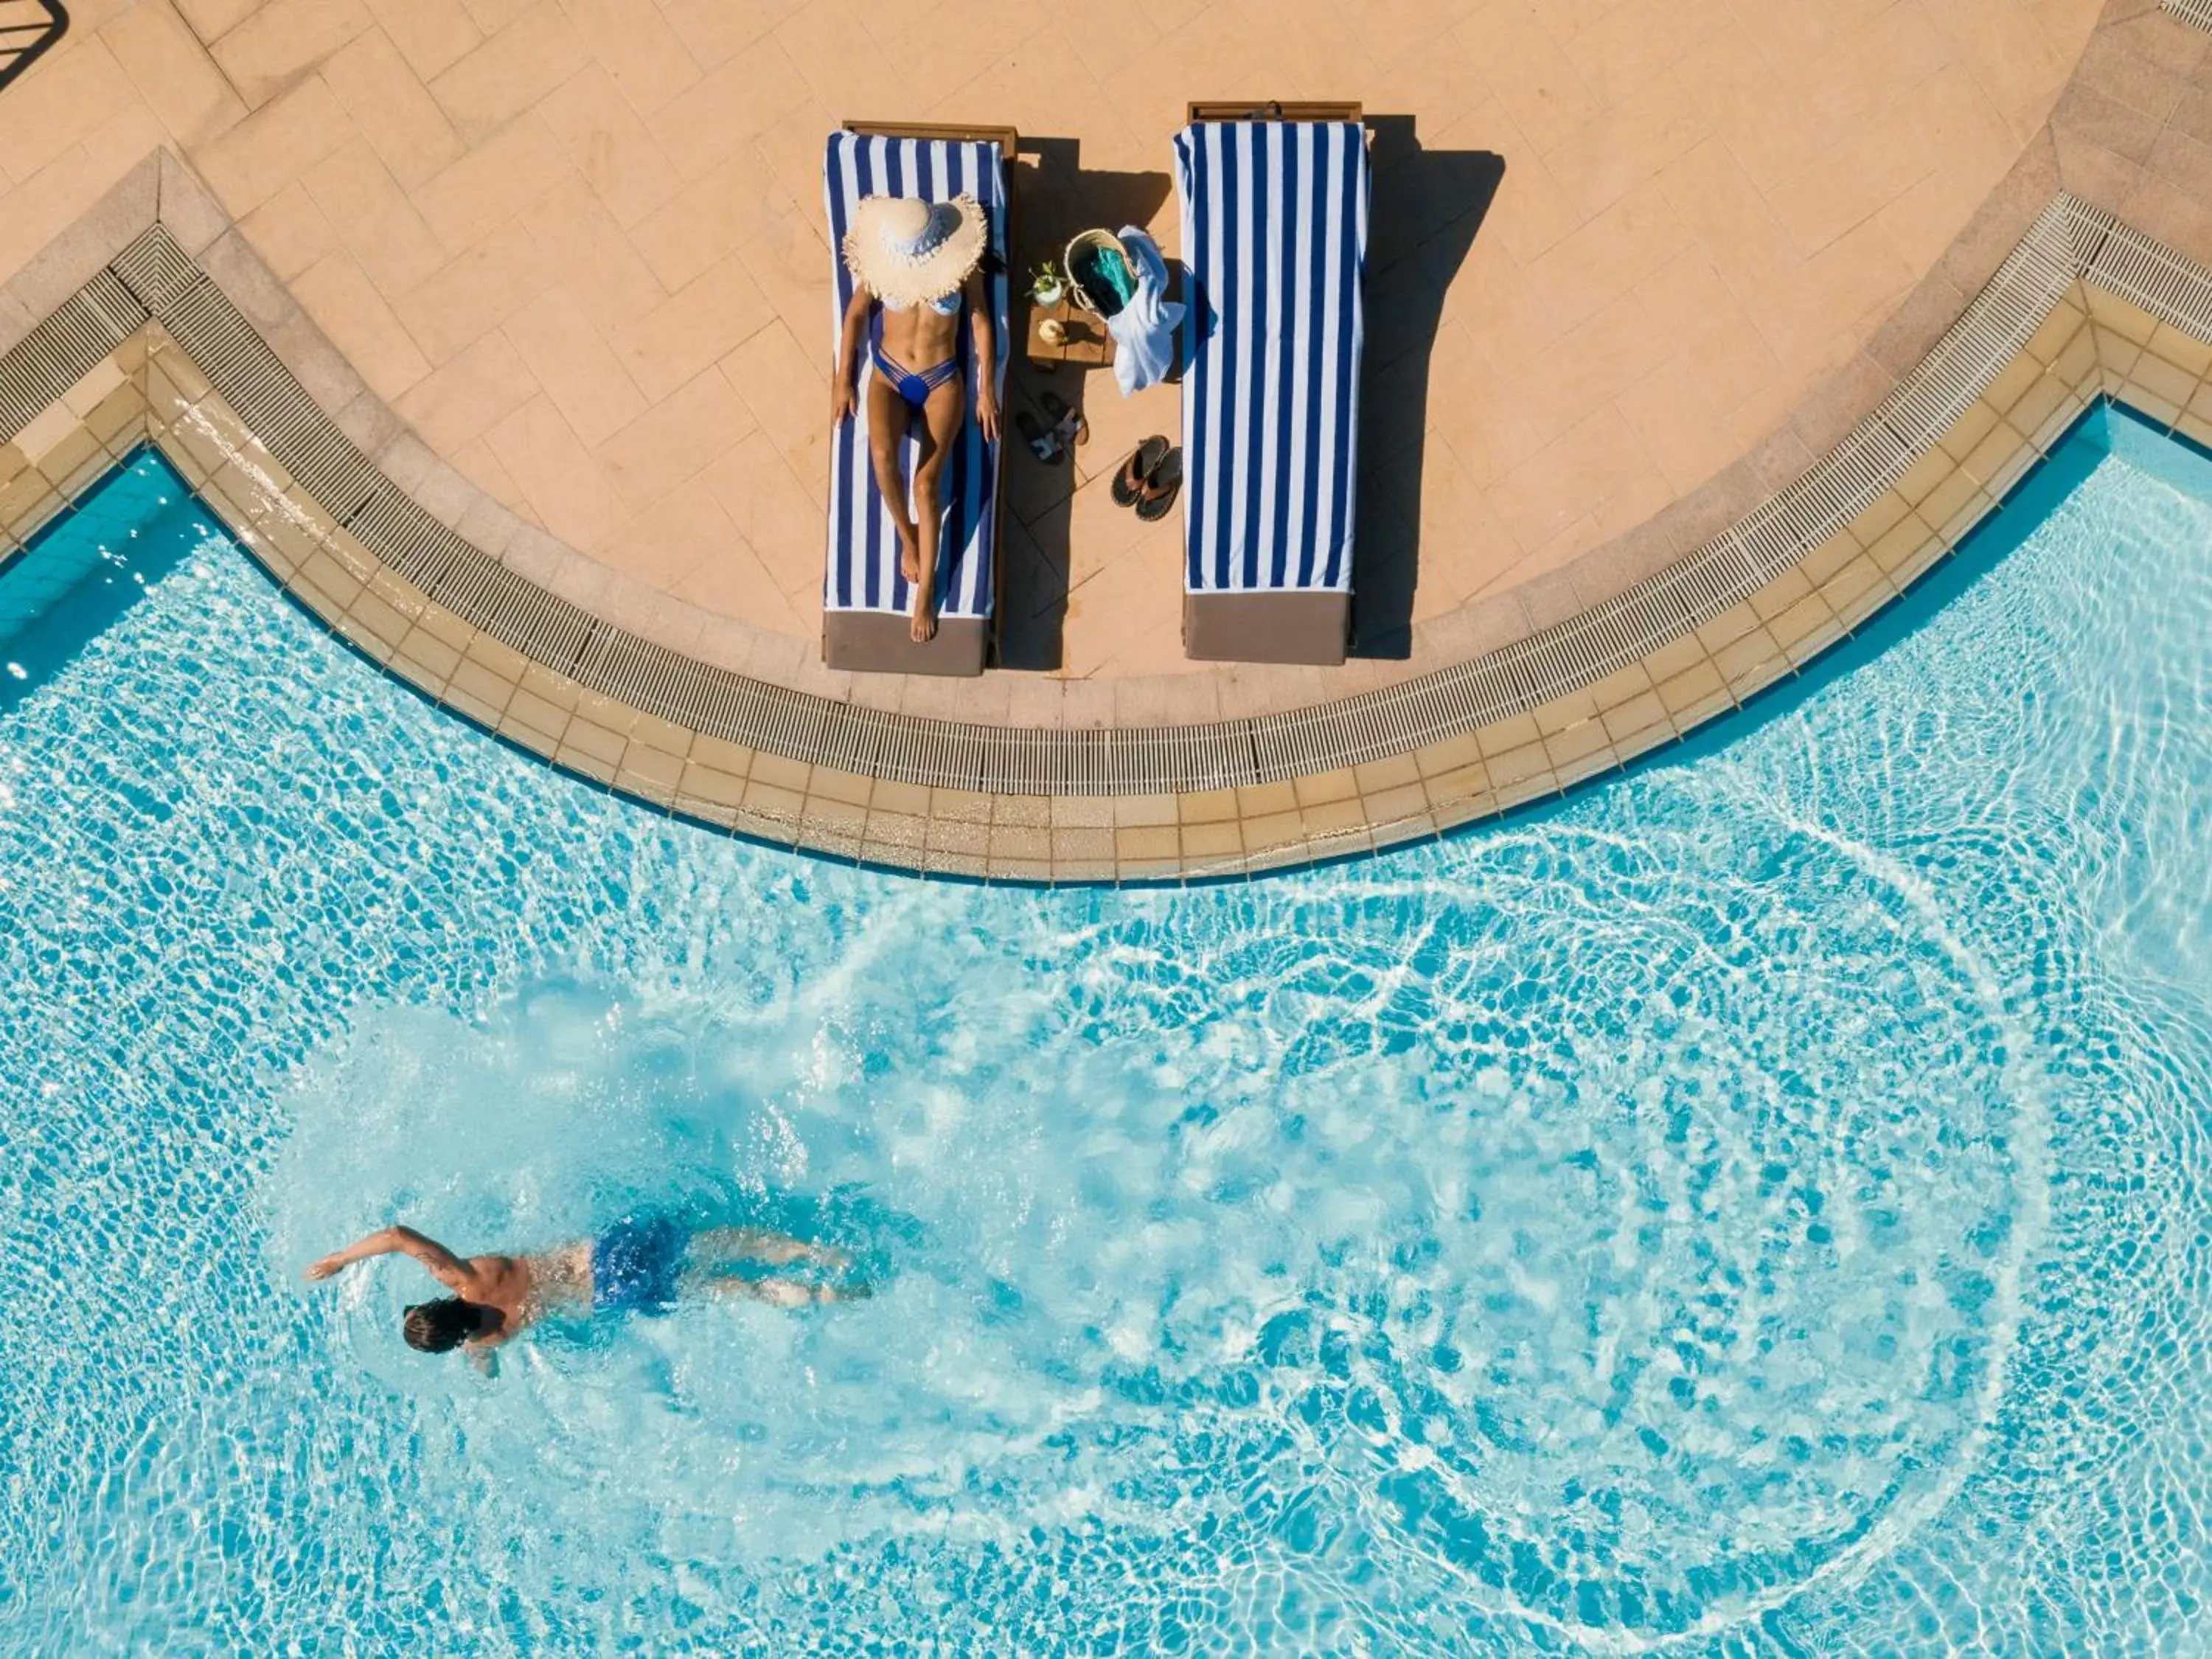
x=913 y=388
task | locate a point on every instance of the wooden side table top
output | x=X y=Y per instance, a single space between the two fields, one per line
x=1088 y=345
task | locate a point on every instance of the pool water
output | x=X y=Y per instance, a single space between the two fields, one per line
x=1758 y=1204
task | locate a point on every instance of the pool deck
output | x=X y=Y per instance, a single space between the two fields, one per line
x=559 y=271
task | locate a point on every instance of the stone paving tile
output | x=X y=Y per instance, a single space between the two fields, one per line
x=279 y=42
x=174 y=73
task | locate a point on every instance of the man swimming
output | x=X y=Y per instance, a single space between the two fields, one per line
x=641 y=1264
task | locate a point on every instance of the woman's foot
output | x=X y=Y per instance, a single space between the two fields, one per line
x=924 y=628
x=909 y=535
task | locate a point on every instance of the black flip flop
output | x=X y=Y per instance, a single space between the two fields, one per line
x=1067 y=424
x=1044 y=445
x=1129 y=482
x=1161 y=488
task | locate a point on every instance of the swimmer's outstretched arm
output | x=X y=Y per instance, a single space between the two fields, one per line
x=442 y=1264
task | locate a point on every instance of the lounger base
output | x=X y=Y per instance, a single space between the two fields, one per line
x=877 y=642
x=1301 y=628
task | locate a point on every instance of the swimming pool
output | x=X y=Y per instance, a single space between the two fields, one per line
x=1757 y=1203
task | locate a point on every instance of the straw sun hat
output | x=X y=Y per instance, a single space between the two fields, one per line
x=908 y=252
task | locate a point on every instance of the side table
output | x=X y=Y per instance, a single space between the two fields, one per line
x=1088 y=344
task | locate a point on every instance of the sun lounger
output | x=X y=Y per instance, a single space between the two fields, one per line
x=865 y=601
x=1274 y=236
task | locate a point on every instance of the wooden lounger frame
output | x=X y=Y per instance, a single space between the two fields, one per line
x=1274 y=110
x=877 y=642
x=1310 y=626
x=1006 y=138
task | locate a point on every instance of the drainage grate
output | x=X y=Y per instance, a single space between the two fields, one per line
x=115 y=303
x=2174 y=289
x=291 y=426
x=410 y=540
x=59 y=352
x=686 y=690
x=1998 y=322
x=155 y=269
x=514 y=610
x=155 y=276
x=2199 y=12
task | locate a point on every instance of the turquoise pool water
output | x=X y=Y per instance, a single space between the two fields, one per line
x=1757 y=1205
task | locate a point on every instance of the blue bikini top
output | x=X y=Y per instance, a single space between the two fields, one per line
x=944 y=307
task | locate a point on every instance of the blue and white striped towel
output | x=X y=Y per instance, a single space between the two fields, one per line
x=1274 y=234
x=864 y=564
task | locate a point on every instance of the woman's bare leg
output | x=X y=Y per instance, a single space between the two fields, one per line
x=941 y=416
x=888 y=416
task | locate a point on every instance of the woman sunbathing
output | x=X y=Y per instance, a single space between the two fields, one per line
x=917 y=284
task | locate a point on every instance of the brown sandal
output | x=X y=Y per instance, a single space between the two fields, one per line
x=1161 y=488
x=1129 y=482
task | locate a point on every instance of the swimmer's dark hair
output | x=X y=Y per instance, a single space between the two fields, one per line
x=437 y=1326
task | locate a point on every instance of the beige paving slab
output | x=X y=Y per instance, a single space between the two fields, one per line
x=558 y=339
x=350 y=307
x=432 y=35
x=284 y=40
x=173 y=72
x=399 y=119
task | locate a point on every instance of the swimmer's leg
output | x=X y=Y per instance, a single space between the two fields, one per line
x=781 y=1292
x=762 y=1244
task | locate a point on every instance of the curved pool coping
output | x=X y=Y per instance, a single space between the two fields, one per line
x=2083 y=306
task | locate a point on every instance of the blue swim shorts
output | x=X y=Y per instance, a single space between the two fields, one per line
x=636 y=1264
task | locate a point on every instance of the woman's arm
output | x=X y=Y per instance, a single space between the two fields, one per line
x=844 y=385
x=987 y=357
x=443 y=1266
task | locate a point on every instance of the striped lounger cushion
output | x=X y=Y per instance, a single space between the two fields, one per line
x=864 y=599
x=1274 y=233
